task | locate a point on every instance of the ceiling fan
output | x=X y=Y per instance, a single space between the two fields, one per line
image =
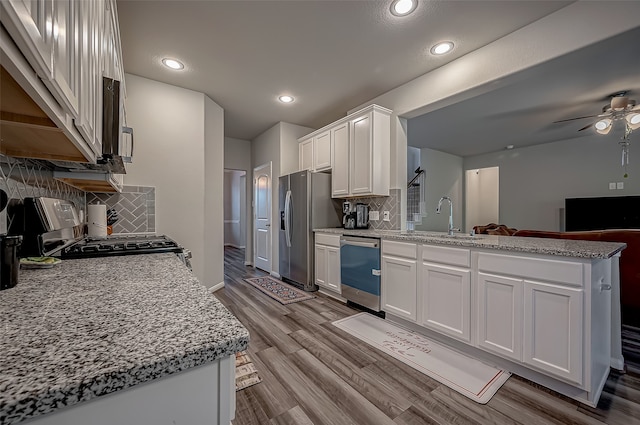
x=619 y=108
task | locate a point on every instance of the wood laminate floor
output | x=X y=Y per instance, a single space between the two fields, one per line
x=314 y=373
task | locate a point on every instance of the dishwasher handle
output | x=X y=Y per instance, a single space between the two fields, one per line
x=363 y=242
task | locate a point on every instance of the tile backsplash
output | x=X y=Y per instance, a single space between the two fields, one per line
x=23 y=178
x=389 y=203
x=135 y=206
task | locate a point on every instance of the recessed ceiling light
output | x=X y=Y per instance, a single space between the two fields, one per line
x=172 y=63
x=285 y=98
x=403 y=7
x=509 y=147
x=442 y=48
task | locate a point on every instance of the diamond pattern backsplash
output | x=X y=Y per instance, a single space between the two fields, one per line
x=135 y=207
x=24 y=178
x=389 y=203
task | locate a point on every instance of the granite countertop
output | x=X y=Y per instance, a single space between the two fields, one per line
x=559 y=247
x=90 y=327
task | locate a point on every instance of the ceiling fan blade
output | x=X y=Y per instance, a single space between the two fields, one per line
x=587 y=126
x=576 y=118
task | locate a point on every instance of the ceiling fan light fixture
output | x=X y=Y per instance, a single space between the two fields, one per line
x=633 y=120
x=603 y=126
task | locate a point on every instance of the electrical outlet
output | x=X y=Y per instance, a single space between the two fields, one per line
x=612 y=186
x=374 y=215
x=385 y=216
x=620 y=185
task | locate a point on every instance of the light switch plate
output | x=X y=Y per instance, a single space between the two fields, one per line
x=374 y=215
x=620 y=185
x=612 y=186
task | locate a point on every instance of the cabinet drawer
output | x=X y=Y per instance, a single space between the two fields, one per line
x=326 y=239
x=447 y=255
x=400 y=249
x=566 y=272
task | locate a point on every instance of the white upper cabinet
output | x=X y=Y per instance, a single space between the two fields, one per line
x=357 y=150
x=322 y=151
x=70 y=45
x=305 y=154
x=65 y=84
x=31 y=24
x=369 y=152
x=340 y=160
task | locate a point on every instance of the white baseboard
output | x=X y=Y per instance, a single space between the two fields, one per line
x=248 y=263
x=234 y=245
x=215 y=287
x=275 y=274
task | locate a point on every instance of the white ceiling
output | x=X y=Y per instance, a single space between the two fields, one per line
x=333 y=56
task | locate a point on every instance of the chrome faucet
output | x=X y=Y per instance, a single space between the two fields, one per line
x=451 y=228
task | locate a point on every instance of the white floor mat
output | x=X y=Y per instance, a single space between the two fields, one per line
x=461 y=373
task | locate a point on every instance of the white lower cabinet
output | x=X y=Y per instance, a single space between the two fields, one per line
x=327 y=262
x=553 y=329
x=400 y=279
x=500 y=315
x=446 y=300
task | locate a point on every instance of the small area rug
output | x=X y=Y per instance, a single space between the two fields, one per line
x=278 y=290
x=470 y=377
x=246 y=373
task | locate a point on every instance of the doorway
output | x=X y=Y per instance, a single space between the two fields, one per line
x=262 y=217
x=482 y=203
x=235 y=195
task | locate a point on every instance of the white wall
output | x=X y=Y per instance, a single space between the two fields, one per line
x=443 y=177
x=238 y=156
x=534 y=181
x=213 y=237
x=278 y=145
x=170 y=131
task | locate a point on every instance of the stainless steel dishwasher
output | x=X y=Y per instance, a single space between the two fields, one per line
x=360 y=270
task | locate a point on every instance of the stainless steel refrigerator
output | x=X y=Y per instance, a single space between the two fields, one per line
x=305 y=204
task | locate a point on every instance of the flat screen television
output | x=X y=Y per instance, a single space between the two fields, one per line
x=611 y=212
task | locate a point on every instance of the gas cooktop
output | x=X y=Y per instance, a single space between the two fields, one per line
x=120 y=245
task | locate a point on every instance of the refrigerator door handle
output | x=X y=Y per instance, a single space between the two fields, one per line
x=287 y=218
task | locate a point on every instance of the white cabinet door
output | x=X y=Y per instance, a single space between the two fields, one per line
x=322 y=151
x=446 y=300
x=399 y=287
x=360 y=178
x=340 y=160
x=89 y=64
x=30 y=22
x=305 y=154
x=333 y=280
x=321 y=265
x=500 y=315
x=553 y=329
x=66 y=81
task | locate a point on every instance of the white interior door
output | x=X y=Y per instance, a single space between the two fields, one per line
x=262 y=217
x=482 y=197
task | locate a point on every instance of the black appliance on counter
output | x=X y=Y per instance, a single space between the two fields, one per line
x=51 y=228
x=9 y=246
x=355 y=217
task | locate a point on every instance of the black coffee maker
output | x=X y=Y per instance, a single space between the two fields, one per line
x=9 y=248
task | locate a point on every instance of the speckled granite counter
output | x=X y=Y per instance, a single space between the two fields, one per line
x=90 y=327
x=560 y=247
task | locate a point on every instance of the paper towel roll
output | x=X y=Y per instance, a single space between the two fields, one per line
x=97 y=220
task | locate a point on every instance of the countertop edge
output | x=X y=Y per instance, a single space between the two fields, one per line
x=526 y=244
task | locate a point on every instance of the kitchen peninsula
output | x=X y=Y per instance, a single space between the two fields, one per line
x=129 y=339
x=545 y=309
